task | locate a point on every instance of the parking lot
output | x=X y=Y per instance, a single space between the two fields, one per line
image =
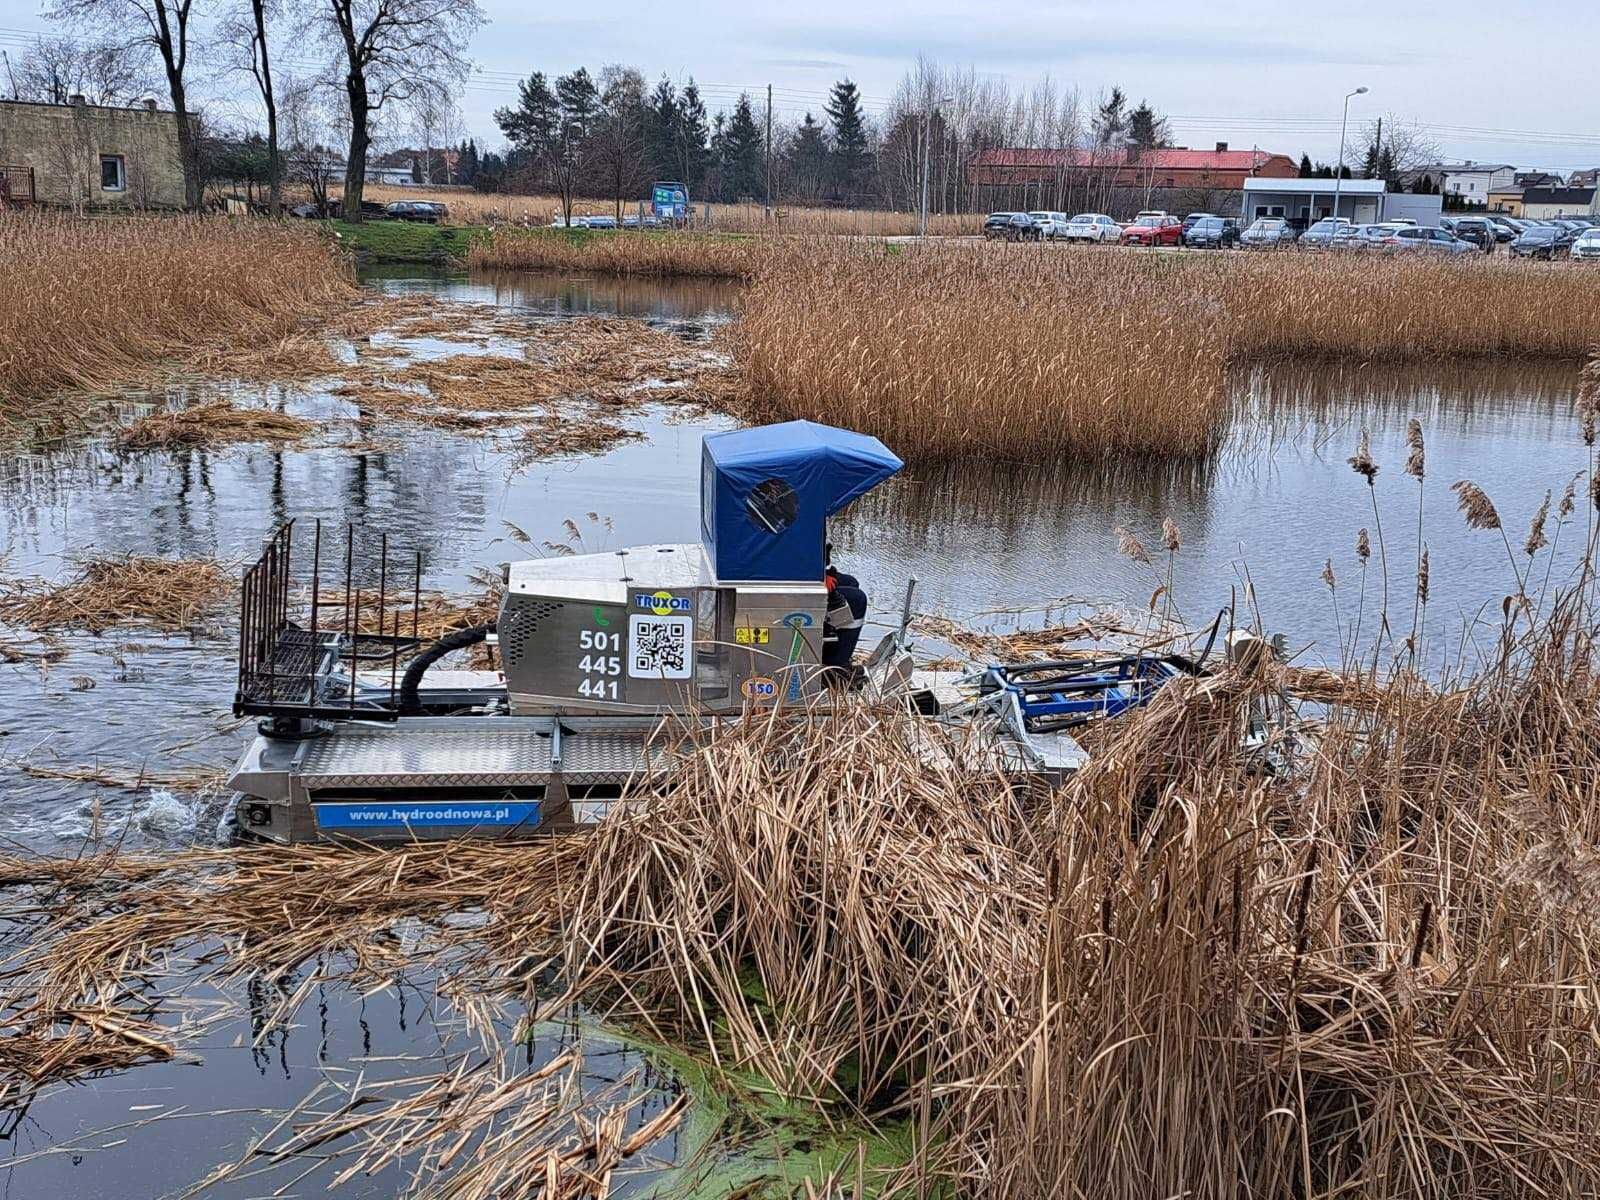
x=1573 y=238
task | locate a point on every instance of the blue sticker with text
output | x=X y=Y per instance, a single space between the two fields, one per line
x=382 y=815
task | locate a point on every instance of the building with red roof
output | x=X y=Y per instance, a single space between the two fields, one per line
x=1174 y=167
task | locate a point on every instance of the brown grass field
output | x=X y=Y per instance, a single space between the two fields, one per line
x=469 y=207
x=92 y=303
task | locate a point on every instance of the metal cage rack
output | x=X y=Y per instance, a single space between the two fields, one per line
x=303 y=650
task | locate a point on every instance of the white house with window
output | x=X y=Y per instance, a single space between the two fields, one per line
x=1471 y=183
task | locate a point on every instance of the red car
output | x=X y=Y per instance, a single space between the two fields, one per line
x=1153 y=231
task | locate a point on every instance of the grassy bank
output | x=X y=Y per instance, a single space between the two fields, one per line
x=1031 y=354
x=91 y=303
x=610 y=252
x=406 y=241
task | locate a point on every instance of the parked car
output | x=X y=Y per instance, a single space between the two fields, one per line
x=1010 y=227
x=1542 y=241
x=415 y=210
x=1377 y=236
x=600 y=222
x=1091 y=227
x=1267 y=233
x=1050 y=224
x=1423 y=240
x=1148 y=212
x=1328 y=232
x=1192 y=218
x=1480 y=231
x=1153 y=229
x=1504 y=228
x=1217 y=233
x=1586 y=244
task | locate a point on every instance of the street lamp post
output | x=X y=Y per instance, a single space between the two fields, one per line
x=927 y=153
x=1338 y=174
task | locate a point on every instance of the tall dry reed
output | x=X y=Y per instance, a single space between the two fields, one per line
x=1034 y=353
x=90 y=303
x=957 y=351
x=468 y=207
x=619 y=253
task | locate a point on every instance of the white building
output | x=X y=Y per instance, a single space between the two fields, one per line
x=1472 y=182
x=1361 y=201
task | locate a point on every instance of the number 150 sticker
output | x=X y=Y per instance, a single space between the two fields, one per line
x=660 y=647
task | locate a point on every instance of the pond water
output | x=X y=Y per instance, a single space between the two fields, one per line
x=993 y=544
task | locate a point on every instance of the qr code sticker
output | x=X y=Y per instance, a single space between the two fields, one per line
x=660 y=647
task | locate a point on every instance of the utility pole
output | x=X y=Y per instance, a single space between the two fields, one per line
x=769 y=145
x=16 y=93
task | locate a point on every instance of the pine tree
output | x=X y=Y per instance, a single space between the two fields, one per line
x=1110 y=118
x=693 y=130
x=661 y=118
x=1146 y=129
x=742 y=154
x=580 y=103
x=1369 y=163
x=1307 y=171
x=851 y=155
x=807 y=157
x=532 y=125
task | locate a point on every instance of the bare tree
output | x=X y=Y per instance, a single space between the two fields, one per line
x=243 y=28
x=53 y=70
x=617 y=142
x=309 y=137
x=392 y=52
x=162 y=25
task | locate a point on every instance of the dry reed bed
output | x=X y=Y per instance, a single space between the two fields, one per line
x=1371 y=979
x=213 y=423
x=951 y=352
x=163 y=593
x=622 y=253
x=164 y=289
x=1034 y=353
x=477 y=208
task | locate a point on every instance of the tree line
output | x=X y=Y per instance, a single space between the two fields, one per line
x=393 y=64
x=374 y=59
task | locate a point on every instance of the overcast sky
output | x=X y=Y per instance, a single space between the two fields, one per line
x=1510 y=81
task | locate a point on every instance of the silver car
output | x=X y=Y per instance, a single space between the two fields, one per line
x=1328 y=233
x=1423 y=240
x=1587 y=244
x=1266 y=233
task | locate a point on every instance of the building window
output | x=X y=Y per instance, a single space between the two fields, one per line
x=112 y=176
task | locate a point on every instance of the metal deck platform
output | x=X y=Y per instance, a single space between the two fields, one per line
x=427 y=777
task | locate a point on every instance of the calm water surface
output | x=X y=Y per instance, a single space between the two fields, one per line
x=994 y=544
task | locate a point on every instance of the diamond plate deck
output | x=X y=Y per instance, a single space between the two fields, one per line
x=427 y=758
x=606 y=757
x=397 y=758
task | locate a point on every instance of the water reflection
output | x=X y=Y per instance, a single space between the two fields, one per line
x=553 y=293
x=157 y=1130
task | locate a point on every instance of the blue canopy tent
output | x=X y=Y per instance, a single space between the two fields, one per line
x=767 y=493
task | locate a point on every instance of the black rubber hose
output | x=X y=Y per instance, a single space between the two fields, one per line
x=459 y=640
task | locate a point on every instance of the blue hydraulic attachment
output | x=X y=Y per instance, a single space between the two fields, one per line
x=1065 y=694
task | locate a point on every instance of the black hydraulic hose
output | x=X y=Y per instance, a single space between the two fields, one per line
x=412 y=680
